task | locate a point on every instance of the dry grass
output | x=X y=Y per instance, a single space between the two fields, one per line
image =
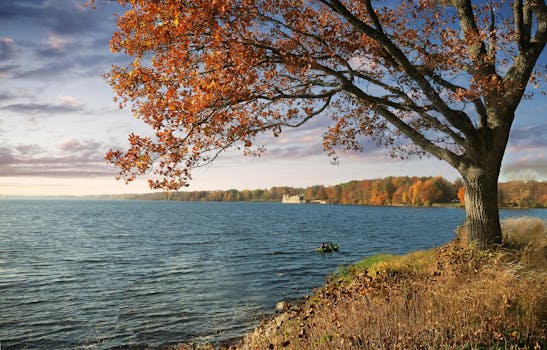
x=528 y=236
x=454 y=297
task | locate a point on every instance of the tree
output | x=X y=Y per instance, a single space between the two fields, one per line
x=442 y=77
x=461 y=195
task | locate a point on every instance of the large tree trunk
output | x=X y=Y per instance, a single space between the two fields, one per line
x=481 y=207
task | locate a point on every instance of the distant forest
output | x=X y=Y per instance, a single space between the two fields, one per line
x=396 y=191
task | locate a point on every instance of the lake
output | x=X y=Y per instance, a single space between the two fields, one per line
x=78 y=274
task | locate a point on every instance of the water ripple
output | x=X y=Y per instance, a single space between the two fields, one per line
x=135 y=275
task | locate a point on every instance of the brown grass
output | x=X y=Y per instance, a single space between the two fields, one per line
x=528 y=236
x=453 y=297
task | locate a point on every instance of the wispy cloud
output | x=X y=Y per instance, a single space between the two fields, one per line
x=69 y=101
x=36 y=108
x=6 y=156
x=72 y=158
x=8 y=70
x=56 y=42
x=296 y=151
x=56 y=16
x=67 y=40
x=526 y=167
x=66 y=104
x=87 y=147
x=526 y=154
x=7 y=96
x=7 y=49
x=533 y=135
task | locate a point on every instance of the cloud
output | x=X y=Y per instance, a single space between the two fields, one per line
x=6 y=156
x=526 y=167
x=528 y=137
x=296 y=151
x=37 y=108
x=56 y=16
x=363 y=63
x=69 y=101
x=88 y=147
x=29 y=149
x=66 y=104
x=529 y=131
x=526 y=153
x=7 y=70
x=6 y=96
x=56 y=42
x=7 y=49
x=56 y=39
x=73 y=159
x=80 y=59
x=76 y=59
x=54 y=71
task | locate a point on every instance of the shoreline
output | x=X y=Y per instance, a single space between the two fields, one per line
x=377 y=289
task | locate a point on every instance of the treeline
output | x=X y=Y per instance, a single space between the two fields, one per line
x=408 y=191
x=524 y=194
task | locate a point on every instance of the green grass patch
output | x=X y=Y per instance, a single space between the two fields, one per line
x=345 y=273
x=415 y=263
x=371 y=261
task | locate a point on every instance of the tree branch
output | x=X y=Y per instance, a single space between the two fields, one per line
x=411 y=105
x=458 y=119
x=469 y=27
x=523 y=25
x=374 y=17
x=379 y=105
x=518 y=75
x=311 y=115
x=309 y=96
x=493 y=43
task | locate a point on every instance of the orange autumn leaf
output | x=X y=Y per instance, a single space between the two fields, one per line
x=461 y=195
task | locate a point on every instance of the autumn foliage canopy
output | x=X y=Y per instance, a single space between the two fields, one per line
x=210 y=75
x=443 y=77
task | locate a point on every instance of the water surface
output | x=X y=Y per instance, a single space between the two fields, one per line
x=102 y=274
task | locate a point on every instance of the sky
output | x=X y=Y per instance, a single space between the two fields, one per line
x=57 y=119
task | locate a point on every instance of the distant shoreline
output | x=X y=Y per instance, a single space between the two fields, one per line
x=390 y=191
x=136 y=198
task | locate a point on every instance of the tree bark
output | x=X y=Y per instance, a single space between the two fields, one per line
x=481 y=207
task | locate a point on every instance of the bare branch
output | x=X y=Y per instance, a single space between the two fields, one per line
x=309 y=96
x=518 y=18
x=379 y=105
x=373 y=15
x=518 y=75
x=483 y=66
x=440 y=80
x=311 y=115
x=458 y=119
x=492 y=45
x=538 y=8
x=411 y=105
